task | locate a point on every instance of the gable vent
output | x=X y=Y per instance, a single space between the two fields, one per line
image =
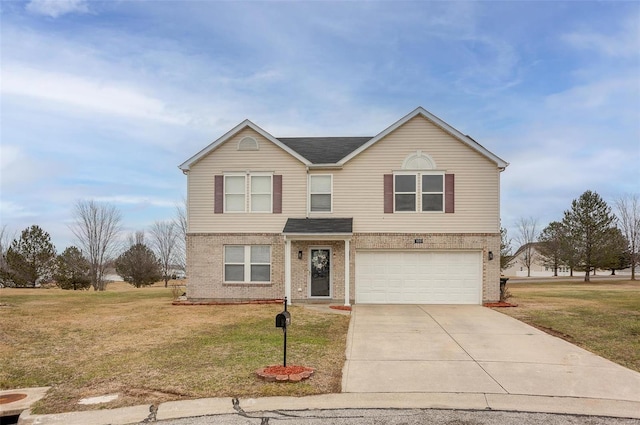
x=248 y=144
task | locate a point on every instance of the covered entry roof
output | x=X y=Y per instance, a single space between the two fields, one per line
x=318 y=226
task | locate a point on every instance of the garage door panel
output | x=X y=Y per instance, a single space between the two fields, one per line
x=418 y=277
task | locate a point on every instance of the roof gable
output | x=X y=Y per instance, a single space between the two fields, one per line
x=185 y=166
x=327 y=151
x=420 y=111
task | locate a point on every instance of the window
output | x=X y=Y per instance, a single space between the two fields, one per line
x=320 y=193
x=259 y=188
x=405 y=192
x=429 y=186
x=432 y=192
x=261 y=193
x=234 y=193
x=247 y=264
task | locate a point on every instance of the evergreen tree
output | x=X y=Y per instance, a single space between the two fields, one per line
x=588 y=223
x=614 y=254
x=550 y=245
x=30 y=259
x=73 y=270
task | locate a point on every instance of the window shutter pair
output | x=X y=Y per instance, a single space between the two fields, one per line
x=449 y=193
x=218 y=199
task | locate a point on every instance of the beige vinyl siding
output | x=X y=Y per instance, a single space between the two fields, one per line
x=226 y=159
x=358 y=188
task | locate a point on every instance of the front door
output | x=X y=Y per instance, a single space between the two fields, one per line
x=320 y=272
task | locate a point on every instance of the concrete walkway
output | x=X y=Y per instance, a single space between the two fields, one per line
x=439 y=357
x=472 y=349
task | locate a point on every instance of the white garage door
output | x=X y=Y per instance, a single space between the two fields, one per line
x=418 y=277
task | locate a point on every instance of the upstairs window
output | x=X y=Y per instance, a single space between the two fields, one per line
x=432 y=192
x=405 y=192
x=234 y=193
x=320 y=188
x=261 y=187
x=251 y=192
x=418 y=192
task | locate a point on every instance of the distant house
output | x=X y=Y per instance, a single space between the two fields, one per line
x=410 y=215
x=518 y=265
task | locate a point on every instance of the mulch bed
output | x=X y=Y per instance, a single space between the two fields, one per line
x=341 y=307
x=274 y=301
x=500 y=304
x=277 y=373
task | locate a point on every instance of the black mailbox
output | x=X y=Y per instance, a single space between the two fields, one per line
x=283 y=319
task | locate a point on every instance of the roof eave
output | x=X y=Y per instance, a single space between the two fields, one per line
x=315 y=236
x=325 y=167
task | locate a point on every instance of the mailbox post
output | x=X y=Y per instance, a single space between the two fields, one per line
x=283 y=320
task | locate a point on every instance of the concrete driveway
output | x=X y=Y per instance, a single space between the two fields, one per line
x=471 y=349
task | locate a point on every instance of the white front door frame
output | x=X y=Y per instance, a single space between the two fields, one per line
x=318 y=237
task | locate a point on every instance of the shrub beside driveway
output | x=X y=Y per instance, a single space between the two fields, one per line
x=135 y=343
x=602 y=316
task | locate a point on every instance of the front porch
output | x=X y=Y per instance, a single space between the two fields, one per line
x=317 y=259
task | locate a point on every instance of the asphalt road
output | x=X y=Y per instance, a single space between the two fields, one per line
x=398 y=417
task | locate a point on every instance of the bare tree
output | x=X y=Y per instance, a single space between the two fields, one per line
x=506 y=258
x=164 y=239
x=527 y=234
x=181 y=225
x=96 y=227
x=629 y=221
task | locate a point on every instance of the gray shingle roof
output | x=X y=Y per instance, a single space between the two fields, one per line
x=324 y=150
x=319 y=225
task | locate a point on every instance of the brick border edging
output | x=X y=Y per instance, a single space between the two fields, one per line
x=272 y=301
x=294 y=377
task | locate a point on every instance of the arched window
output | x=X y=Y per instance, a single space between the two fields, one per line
x=248 y=144
x=418 y=161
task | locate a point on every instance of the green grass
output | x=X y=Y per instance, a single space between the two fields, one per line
x=135 y=343
x=601 y=316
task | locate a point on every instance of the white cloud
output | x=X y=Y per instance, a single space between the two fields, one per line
x=55 y=8
x=95 y=95
x=623 y=44
x=10 y=211
x=136 y=200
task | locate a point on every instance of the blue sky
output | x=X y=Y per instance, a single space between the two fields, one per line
x=103 y=100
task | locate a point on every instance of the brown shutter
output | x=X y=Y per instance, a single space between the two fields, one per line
x=277 y=194
x=218 y=199
x=449 y=193
x=388 y=193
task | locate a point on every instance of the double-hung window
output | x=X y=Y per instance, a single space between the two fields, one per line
x=234 y=193
x=432 y=192
x=418 y=192
x=261 y=188
x=247 y=263
x=320 y=193
x=405 y=192
x=252 y=191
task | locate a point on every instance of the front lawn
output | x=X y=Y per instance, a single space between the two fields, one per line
x=135 y=343
x=600 y=316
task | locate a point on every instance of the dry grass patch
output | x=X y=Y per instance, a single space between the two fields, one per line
x=135 y=343
x=601 y=316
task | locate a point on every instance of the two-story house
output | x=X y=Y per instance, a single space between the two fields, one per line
x=411 y=215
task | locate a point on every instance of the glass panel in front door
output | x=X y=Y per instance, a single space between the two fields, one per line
x=320 y=273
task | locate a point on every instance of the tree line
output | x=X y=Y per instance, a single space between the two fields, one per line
x=588 y=237
x=30 y=259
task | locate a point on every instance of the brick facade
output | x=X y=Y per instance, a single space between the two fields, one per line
x=205 y=262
